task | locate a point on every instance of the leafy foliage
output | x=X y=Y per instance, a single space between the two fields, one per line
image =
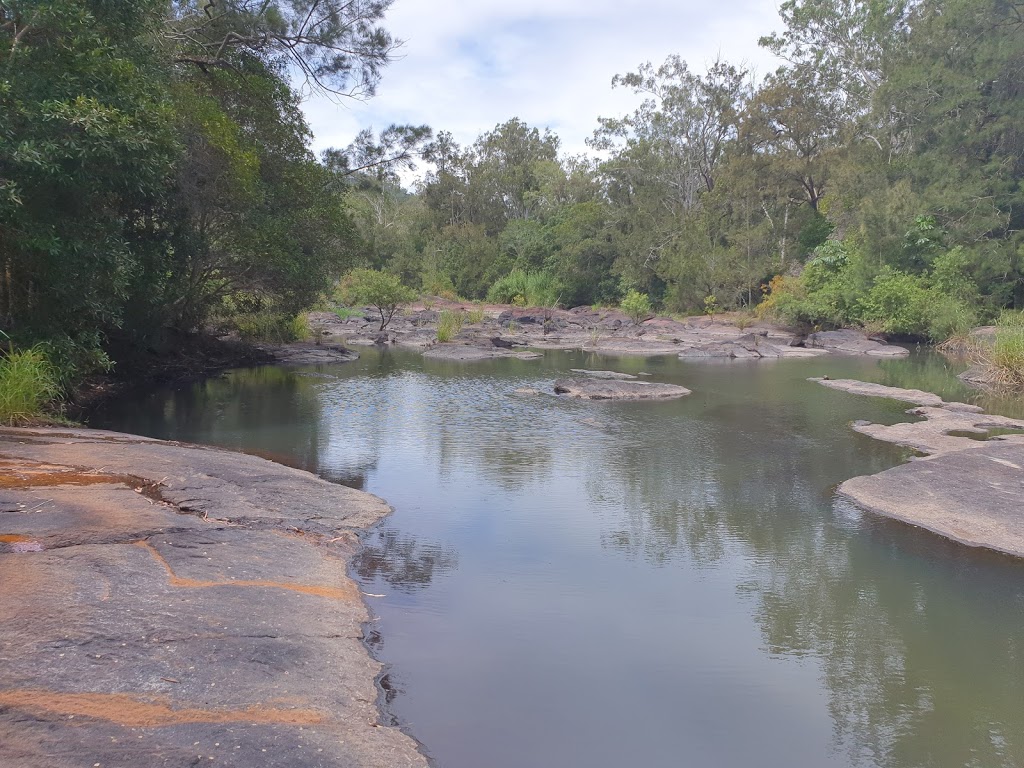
x=381 y=290
x=636 y=305
x=526 y=289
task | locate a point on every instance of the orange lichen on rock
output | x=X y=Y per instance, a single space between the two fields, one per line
x=150 y=712
x=331 y=593
x=23 y=474
x=13 y=538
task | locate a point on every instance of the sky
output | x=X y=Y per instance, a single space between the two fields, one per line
x=468 y=65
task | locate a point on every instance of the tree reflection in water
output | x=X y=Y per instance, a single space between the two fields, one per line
x=402 y=561
x=910 y=661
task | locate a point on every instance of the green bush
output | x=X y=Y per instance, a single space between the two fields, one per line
x=636 y=305
x=28 y=384
x=526 y=289
x=898 y=303
x=448 y=325
x=381 y=290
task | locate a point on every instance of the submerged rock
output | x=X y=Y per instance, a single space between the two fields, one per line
x=603 y=389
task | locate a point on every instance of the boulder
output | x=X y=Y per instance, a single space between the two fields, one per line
x=603 y=389
x=851 y=342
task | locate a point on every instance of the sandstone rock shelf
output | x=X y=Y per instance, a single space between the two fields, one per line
x=969 y=484
x=169 y=605
x=603 y=331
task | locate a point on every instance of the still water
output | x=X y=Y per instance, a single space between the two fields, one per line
x=569 y=583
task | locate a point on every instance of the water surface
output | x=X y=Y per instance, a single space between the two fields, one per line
x=568 y=583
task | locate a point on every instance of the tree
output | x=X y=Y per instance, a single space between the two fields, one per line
x=87 y=148
x=337 y=46
x=636 y=305
x=380 y=290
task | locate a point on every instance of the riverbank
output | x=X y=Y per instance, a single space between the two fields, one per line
x=168 y=604
x=968 y=484
x=497 y=330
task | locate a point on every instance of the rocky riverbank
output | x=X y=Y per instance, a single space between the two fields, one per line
x=170 y=605
x=969 y=483
x=501 y=330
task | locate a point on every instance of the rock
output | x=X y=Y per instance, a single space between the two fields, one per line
x=497 y=341
x=189 y=595
x=854 y=387
x=601 y=389
x=850 y=342
x=744 y=348
x=603 y=374
x=527 y=391
x=464 y=353
x=968 y=490
x=915 y=396
x=973 y=496
x=308 y=353
x=976 y=376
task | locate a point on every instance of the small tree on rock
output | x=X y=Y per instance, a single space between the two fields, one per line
x=637 y=305
x=381 y=290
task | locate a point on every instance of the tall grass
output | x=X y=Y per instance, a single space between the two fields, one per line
x=28 y=384
x=999 y=356
x=448 y=325
x=475 y=316
x=1007 y=350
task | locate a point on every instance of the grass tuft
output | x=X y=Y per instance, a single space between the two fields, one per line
x=28 y=384
x=448 y=325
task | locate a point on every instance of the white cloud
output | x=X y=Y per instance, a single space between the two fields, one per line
x=468 y=66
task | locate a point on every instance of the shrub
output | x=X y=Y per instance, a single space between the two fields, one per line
x=381 y=290
x=711 y=306
x=744 y=319
x=448 y=325
x=899 y=303
x=269 y=327
x=28 y=383
x=636 y=305
x=526 y=289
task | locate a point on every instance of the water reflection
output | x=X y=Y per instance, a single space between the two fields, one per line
x=402 y=561
x=622 y=554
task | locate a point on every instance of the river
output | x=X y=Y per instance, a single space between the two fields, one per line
x=599 y=584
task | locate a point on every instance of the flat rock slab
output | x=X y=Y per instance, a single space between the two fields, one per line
x=975 y=497
x=462 y=353
x=968 y=490
x=308 y=353
x=603 y=374
x=915 y=396
x=600 y=389
x=170 y=605
x=749 y=347
x=851 y=342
